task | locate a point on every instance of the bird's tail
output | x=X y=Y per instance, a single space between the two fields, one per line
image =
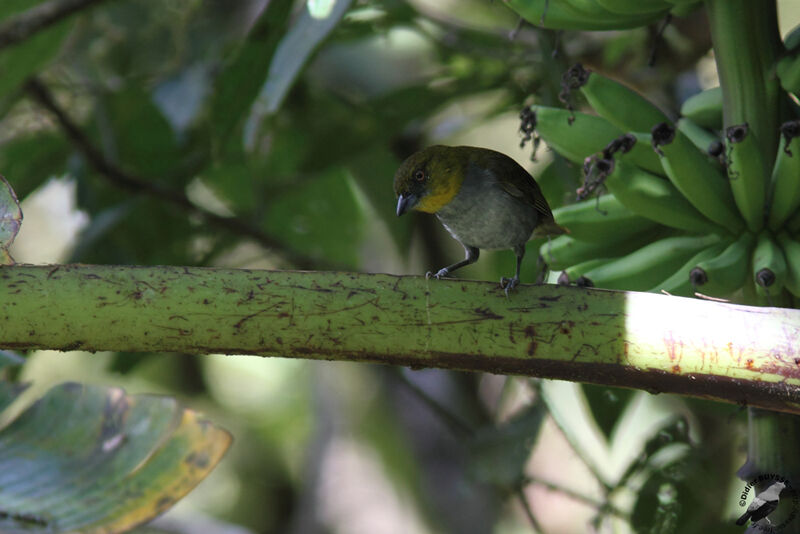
x=743 y=519
x=548 y=229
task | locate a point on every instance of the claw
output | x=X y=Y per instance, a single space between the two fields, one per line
x=508 y=283
x=441 y=274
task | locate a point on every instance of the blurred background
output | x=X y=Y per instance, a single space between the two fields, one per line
x=291 y=118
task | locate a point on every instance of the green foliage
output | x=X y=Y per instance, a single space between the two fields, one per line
x=292 y=126
x=88 y=458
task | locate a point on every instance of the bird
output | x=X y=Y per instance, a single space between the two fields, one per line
x=482 y=197
x=763 y=504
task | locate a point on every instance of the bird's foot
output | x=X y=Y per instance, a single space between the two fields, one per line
x=443 y=272
x=509 y=283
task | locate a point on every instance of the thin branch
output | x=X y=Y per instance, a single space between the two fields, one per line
x=123 y=180
x=457 y=426
x=37 y=18
x=580 y=497
x=526 y=507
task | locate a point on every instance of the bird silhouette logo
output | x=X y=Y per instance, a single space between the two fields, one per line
x=764 y=503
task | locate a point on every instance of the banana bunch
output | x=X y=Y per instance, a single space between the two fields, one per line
x=597 y=14
x=679 y=206
x=788 y=67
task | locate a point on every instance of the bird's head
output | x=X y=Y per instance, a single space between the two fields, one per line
x=430 y=178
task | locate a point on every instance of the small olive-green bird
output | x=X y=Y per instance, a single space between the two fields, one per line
x=485 y=199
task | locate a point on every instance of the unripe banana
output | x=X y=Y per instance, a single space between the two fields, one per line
x=786 y=176
x=655 y=198
x=565 y=250
x=573 y=134
x=680 y=284
x=636 y=148
x=792 y=39
x=636 y=7
x=791 y=251
x=747 y=174
x=726 y=273
x=793 y=223
x=769 y=266
x=620 y=105
x=642 y=269
x=703 y=184
x=601 y=220
x=681 y=8
x=574 y=273
x=704 y=140
x=561 y=15
x=788 y=71
x=705 y=108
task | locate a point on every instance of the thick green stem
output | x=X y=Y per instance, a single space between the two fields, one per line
x=654 y=342
x=746 y=42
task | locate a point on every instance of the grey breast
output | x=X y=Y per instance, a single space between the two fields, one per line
x=485 y=216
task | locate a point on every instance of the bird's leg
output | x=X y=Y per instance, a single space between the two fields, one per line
x=510 y=283
x=543 y=269
x=472 y=257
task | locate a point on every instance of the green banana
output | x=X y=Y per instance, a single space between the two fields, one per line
x=574 y=135
x=635 y=7
x=601 y=220
x=562 y=15
x=791 y=251
x=785 y=195
x=703 y=139
x=792 y=39
x=655 y=198
x=683 y=9
x=642 y=269
x=747 y=174
x=788 y=71
x=705 y=108
x=793 y=223
x=680 y=283
x=703 y=184
x=769 y=266
x=727 y=272
x=565 y=250
x=620 y=105
x=636 y=148
x=574 y=273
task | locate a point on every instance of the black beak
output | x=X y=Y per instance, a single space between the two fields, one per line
x=405 y=203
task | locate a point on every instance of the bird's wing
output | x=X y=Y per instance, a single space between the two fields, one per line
x=520 y=184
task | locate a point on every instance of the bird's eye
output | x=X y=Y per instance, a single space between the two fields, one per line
x=419 y=175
